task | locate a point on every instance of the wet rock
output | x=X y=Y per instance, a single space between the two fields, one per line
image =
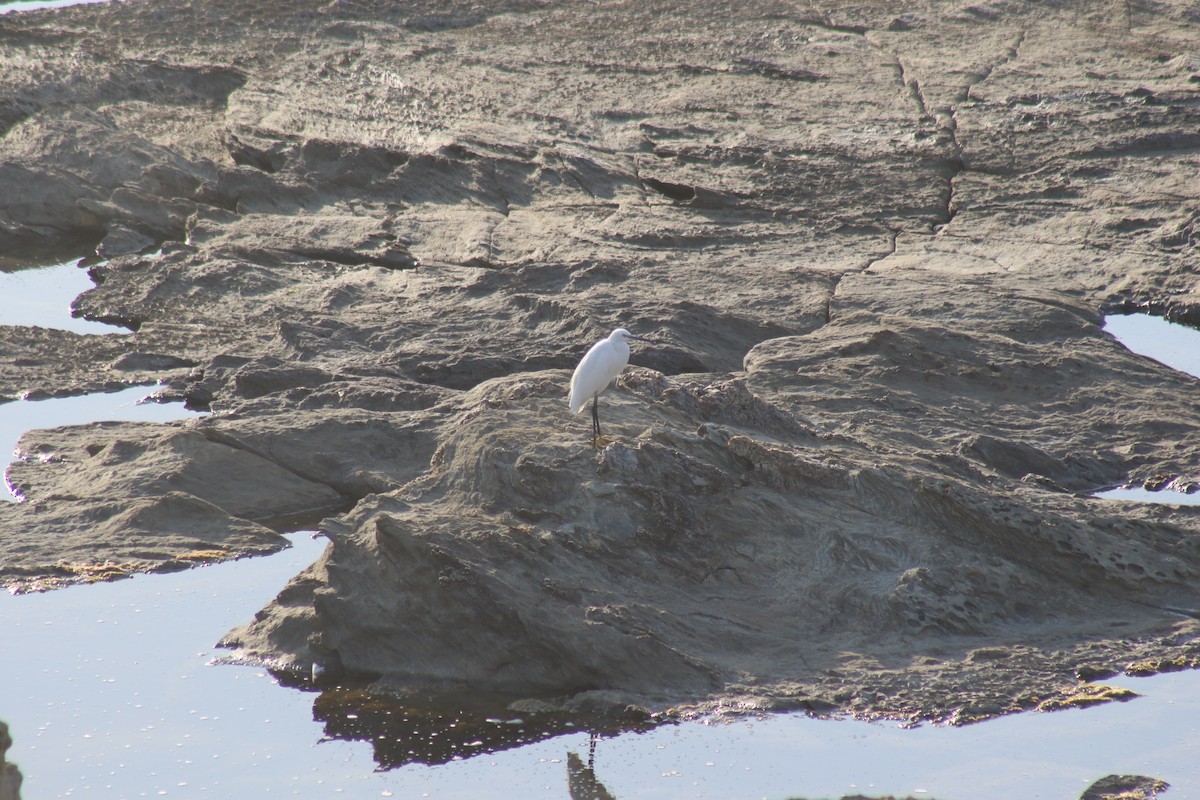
x=1088 y=672
x=1086 y=695
x=644 y=551
x=1125 y=787
x=1170 y=663
x=1016 y=460
x=197 y=395
x=162 y=533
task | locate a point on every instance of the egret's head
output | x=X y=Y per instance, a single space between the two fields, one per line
x=622 y=335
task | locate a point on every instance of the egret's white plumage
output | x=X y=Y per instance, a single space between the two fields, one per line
x=596 y=371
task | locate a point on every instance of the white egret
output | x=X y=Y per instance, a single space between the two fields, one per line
x=596 y=371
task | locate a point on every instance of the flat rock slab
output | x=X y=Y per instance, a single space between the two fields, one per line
x=852 y=470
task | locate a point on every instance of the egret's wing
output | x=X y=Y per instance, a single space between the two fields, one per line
x=597 y=369
x=583 y=379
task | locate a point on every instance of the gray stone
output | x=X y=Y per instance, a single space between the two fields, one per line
x=150 y=362
x=1125 y=787
x=123 y=241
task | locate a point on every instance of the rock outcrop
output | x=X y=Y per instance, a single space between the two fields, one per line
x=10 y=776
x=873 y=244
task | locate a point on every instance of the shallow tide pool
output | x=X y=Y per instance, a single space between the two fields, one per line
x=42 y=296
x=1169 y=343
x=111 y=691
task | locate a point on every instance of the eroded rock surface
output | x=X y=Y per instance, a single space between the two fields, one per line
x=1125 y=787
x=873 y=244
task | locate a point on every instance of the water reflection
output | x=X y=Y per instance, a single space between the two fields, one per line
x=119 y=699
x=434 y=730
x=582 y=783
x=1170 y=343
x=10 y=776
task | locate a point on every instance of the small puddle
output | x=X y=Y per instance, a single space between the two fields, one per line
x=130 y=404
x=42 y=296
x=1169 y=343
x=35 y=5
x=111 y=690
x=1140 y=495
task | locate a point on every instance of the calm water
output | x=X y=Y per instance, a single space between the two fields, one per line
x=1176 y=346
x=111 y=691
x=1139 y=495
x=34 y=5
x=42 y=296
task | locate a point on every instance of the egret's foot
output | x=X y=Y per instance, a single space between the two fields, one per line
x=601 y=442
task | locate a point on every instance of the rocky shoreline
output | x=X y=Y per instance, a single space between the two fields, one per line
x=873 y=245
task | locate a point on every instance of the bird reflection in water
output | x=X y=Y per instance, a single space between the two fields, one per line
x=581 y=781
x=436 y=729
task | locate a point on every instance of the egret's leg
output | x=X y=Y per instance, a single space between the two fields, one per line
x=595 y=420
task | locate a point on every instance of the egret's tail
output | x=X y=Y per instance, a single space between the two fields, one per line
x=577 y=403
